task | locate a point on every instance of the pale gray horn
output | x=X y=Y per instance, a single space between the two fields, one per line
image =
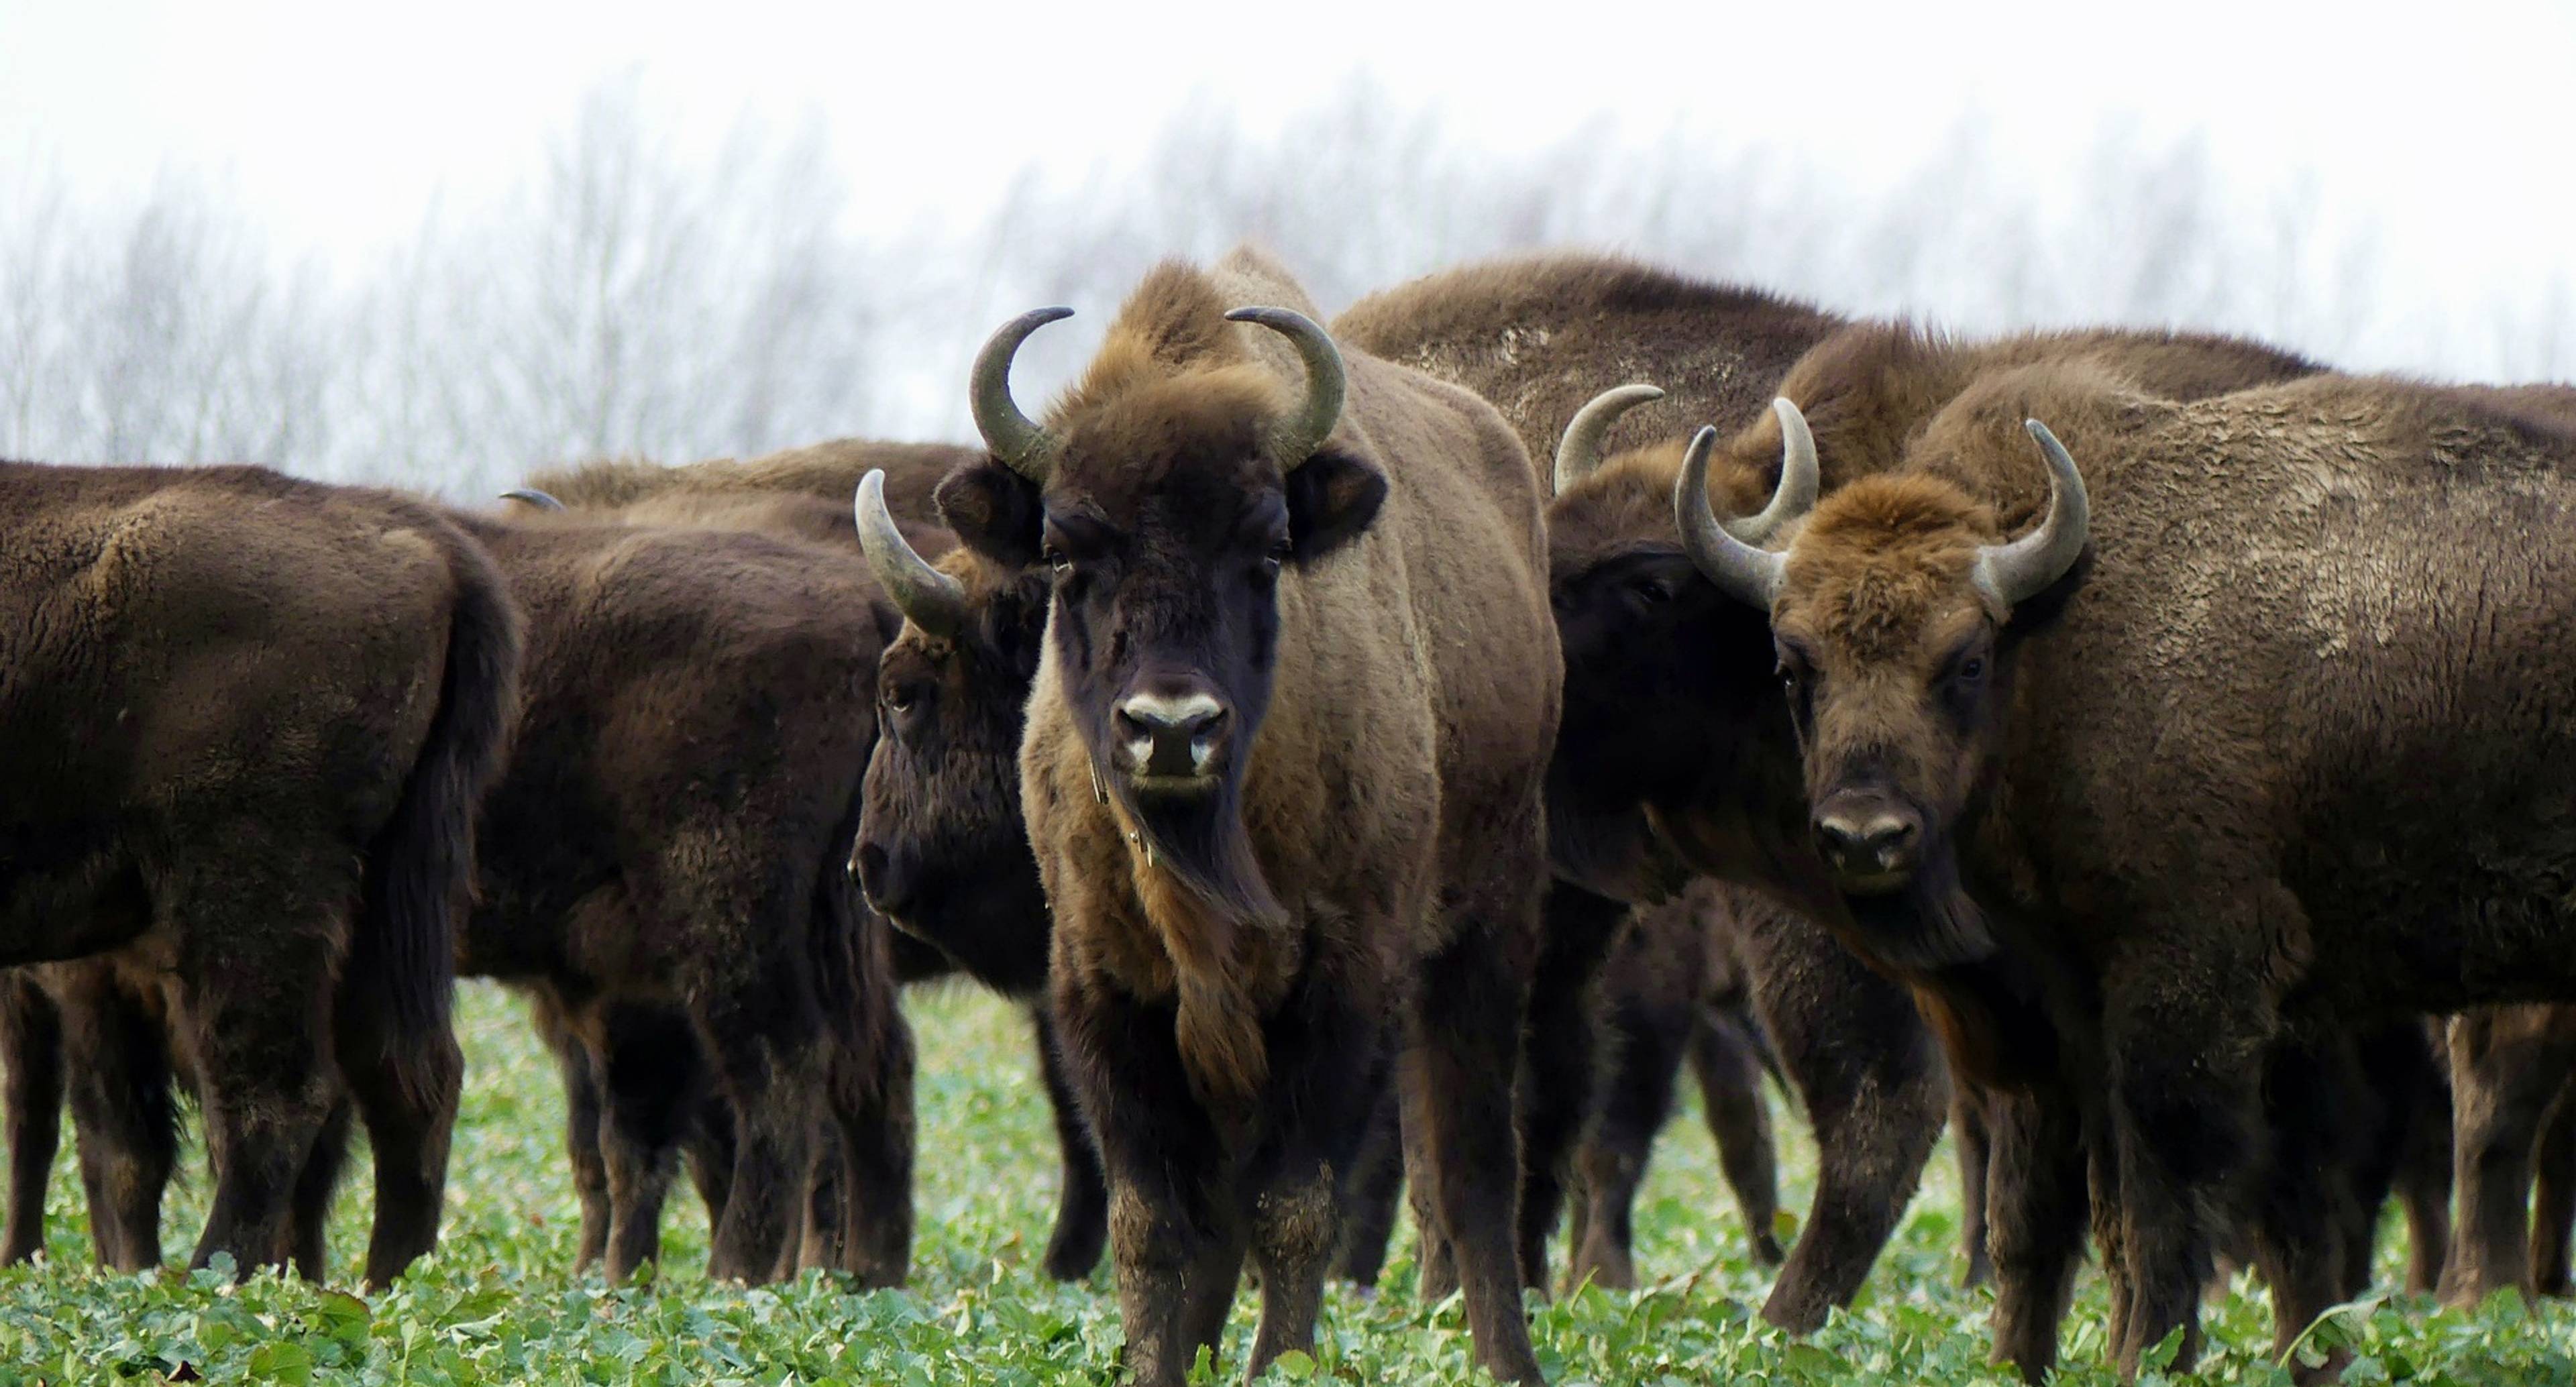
x=1579 y=452
x=1749 y=573
x=2012 y=573
x=927 y=597
x=1014 y=438
x=1799 y=479
x=533 y=497
x=1324 y=379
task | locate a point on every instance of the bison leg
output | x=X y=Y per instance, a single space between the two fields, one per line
x=1853 y=1044
x=313 y=1191
x=1974 y=1138
x=408 y=1102
x=1726 y=1063
x=650 y=1081
x=2307 y=1216
x=31 y=1040
x=875 y=1142
x=1561 y=1059
x=2507 y=1065
x=257 y=993
x=117 y=1056
x=1327 y=1070
x=1082 y=1206
x=710 y=1150
x=1648 y=1036
x=2035 y=1188
x=1375 y=1188
x=1470 y=998
x=2553 y=1198
x=581 y=1131
x=1171 y=1244
x=2403 y=1063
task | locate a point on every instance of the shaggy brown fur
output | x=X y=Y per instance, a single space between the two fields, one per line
x=670 y=839
x=825 y=471
x=1226 y=1036
x=255 y=718
x=2196 y=797
x=1541 y=337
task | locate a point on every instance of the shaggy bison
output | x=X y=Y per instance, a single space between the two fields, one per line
x=2116 y=793
x=253 y=719
x=1281 y=773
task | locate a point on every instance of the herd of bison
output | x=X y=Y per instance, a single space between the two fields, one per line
x=1380 y=756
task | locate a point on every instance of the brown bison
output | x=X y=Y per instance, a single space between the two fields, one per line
x=994 y=925
x=1282 y=775
x=2115 y=793
x=254 y=718
x=1542 y=338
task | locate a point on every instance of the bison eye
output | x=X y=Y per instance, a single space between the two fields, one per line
x=1652 y=591
x=1972 y=669
x=1056 y=560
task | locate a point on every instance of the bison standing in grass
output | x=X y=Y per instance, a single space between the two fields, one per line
x=1282 y=774
x=2252 y=733
x=253 y=718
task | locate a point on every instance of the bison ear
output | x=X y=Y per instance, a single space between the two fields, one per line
x=1332 y=497
x=887 y=620
x=994 y=510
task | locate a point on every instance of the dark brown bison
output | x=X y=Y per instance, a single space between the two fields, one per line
x=668 y=845
x=994 y=926
x=1542 y=338
x=2116 y=793
x=1282 y=775
x=254 y=718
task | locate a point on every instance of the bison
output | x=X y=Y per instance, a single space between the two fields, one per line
x=253 y=719
x=1541 y=338
x=1282 y=775
x=2143 y=800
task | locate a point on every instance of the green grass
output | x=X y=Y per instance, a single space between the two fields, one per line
x=499 y=1304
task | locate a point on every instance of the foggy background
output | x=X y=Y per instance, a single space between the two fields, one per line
x=221 y=247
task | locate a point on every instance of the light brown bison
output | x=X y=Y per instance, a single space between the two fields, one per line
x=1282 y=775
x=254 y=717
x=2142 y=798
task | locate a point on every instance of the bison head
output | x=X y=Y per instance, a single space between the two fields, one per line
x=1164 y=503
x=1658 y=702
x=942 y=849
x=1887 y=615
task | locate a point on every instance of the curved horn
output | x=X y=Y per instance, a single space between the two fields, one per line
x=1579 y=452
x=1799 y=479
x=1325 y=382
x=533 y=497
x=1014 y=438
x=2012 y=573
x=927 y=597
x=1749 y=573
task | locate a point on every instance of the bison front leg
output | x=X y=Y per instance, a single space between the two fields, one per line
x=1327 y=1072
x=117 y=1057
x=1648 y=1037
x=874 y=1136
x=1082 y=1205
x=2553 y=1195
x=1853 y=1044
x=1724 y=1061
x=1174 y=1242
x=649 y=1066
x=1974 y=1137
x=1561 y=1060
x=1374 y=1190
x=1458 y=1075
x=2308 y=1217
x=31 y=1041
x=581 y=1124
x=2035 y=1188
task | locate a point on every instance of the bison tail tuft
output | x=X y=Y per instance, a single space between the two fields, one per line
x=420 y=872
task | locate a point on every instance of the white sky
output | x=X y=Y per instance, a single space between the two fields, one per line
x=2449 y=128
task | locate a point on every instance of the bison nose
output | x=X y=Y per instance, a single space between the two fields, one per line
x=1869 y=845
x=1165 y=734
x=887 y=890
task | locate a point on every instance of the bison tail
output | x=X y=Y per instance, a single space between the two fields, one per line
x=420 y=872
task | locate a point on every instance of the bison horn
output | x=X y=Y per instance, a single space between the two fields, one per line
x=927 y=597
x=1325 y=382
x=1750 y=573
x=1579 y=452
x=1018 y=442
x=1799 y=478
x=2012 y=573
x=533 y=497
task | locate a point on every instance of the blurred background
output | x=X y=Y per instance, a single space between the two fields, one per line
x=440 y=245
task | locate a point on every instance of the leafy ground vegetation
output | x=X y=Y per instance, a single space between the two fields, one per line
x=499 y=1304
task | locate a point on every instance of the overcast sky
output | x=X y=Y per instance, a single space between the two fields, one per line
x=2451 y=125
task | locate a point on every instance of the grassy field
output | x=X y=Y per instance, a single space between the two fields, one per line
x=498 y=1303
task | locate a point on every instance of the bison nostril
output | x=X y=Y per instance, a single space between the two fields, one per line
x=1876 y=839
x=869 y=865
x=1169 y=735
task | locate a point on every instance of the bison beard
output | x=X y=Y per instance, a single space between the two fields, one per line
x=1201 y=883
